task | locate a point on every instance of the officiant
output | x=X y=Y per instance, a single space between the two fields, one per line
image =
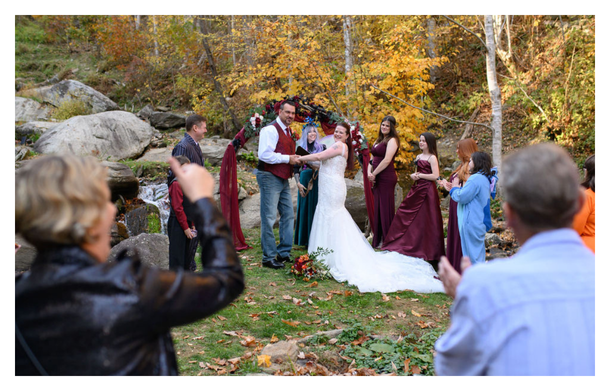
x=275 y=167
x=306 y=177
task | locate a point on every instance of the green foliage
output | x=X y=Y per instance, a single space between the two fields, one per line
x=388 y=356
x=71 y=108
x=154 y=223
x=27 y=31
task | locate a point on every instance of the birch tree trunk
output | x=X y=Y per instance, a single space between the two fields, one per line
x=431 y=48
x=494 y=92
x=349 y=60
x=154 y=21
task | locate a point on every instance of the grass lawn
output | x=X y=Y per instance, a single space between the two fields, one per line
x=391 y=334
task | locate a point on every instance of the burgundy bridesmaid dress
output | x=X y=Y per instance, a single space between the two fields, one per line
x=454 y=243
x=383 y=194
x=417 y=228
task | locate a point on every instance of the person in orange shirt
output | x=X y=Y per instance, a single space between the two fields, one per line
x=584 y=221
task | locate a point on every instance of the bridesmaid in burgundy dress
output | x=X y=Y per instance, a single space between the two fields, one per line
x=382 y=176
x=417 y=228
x=465 y=148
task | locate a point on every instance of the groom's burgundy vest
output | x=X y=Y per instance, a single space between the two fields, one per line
x=285 y=146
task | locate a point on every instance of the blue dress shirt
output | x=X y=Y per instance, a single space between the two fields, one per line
x=531 y=314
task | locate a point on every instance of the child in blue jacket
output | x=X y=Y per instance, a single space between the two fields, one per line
x=472 y=199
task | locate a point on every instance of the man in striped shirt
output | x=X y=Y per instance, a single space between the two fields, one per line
x=534 y=313
x=189 y=145
x=183 y=241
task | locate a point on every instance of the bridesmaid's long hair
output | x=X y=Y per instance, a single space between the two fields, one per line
x=431 y=141
x=466 y=148
x=589 y=182
x=393 y=134
x=348 y=141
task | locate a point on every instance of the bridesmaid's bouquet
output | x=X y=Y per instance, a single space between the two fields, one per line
x=311 y=266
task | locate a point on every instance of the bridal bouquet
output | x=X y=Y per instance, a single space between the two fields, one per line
x=310 y=265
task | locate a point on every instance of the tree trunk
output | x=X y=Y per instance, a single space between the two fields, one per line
x=204 y=31
x=431 y=49
x=494 y=92
x=154 y=21
x=349 y=60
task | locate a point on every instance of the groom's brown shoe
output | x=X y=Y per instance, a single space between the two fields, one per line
x=273 y=264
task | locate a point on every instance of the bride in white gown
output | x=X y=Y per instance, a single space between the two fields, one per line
x=353 y=259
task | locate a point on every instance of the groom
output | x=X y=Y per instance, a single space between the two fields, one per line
x=276 y=159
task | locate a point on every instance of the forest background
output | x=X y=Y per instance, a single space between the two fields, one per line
x=361 y=67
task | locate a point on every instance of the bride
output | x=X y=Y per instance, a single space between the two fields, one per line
x=353 y=259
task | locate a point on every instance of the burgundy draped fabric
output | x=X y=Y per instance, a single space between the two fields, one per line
x=368 y=192
x=229 y=193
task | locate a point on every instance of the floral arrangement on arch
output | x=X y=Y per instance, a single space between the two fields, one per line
x=359 y=140
x=260 y=116
x=310 y=265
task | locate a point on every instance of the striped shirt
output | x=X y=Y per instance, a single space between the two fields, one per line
x=531 y=314
x=189 y=148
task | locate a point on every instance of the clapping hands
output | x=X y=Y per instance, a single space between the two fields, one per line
x=449 y=276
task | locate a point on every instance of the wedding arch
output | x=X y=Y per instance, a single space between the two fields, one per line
x=261 y=116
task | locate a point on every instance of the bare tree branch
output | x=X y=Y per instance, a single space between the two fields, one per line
x=526 y=95
x=430 y=112
x=465 y=28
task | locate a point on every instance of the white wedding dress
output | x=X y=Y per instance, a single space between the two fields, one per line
x=353 y=259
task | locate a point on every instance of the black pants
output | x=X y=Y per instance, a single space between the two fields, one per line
x=181 y=249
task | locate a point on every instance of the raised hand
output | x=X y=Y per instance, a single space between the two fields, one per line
x=449 y=276
x=196 y=182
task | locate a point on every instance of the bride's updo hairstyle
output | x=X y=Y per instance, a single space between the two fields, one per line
x=348 y=141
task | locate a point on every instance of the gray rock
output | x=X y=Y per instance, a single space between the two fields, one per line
x=153 y=249
x=21 y=152
x=33 y=127
x=355 y=202
x=496 y=253
x=121 y=181
x=242 y=194
x=114 y=135
x=282 y=354
x=161 y=120
x=156 y=155
x=492 y=239
x=75 y=90
x=25 y=256
x=118 y=233
x=398 y=196
x=137 y=219
x=29 y=110
x=146 y=112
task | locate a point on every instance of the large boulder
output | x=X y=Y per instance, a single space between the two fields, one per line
x=153 y=249
x=30 y=110
x=161 y=120
x=114 y=135
x=32 y=128
x=75 y=90
x=121 y=181
x=355 y=202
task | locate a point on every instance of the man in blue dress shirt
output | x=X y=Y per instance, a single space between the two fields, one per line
x=534 y=313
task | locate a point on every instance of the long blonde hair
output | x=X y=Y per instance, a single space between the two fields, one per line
x=58 y=198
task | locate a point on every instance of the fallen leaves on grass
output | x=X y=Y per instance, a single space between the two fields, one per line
x=264 y=360
x=416 y=314
x=248 y=341
x=293 y=323
x=274 y=339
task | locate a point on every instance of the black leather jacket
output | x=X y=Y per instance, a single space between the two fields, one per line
x=82 y=317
